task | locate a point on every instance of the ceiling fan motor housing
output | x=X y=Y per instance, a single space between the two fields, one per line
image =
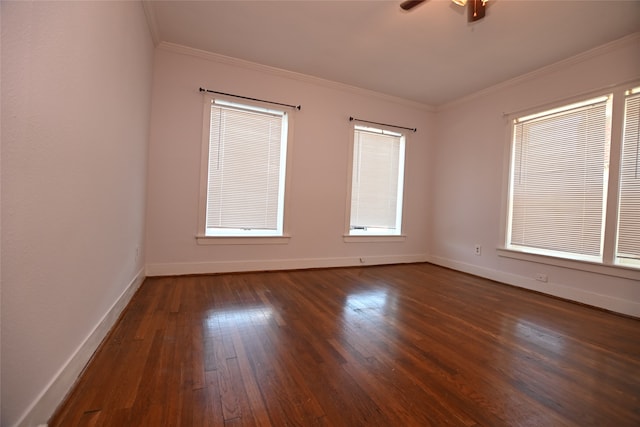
x=475 y=8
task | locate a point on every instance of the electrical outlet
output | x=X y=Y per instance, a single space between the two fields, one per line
x=477 y=249
x=541 y=277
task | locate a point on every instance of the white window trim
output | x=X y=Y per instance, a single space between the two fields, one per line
x=347 y=237
x=374 y=238
x=201 y=237
x=616 y=270
x=608 y=266
x=240 y=240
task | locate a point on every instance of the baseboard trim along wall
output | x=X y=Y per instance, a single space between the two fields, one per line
x=560 y=290
x=47 y=402
x=177 y=269
x=619 y=305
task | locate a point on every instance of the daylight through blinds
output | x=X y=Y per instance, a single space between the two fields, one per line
x=629 y=200
x=376 y=179
x=246 y=153
x=559 y=180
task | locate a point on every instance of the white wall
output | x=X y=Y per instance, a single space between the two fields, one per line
x=468 y=171
x=75 y=112
x=319 y=184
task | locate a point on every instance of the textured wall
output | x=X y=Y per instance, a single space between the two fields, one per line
x=75 y=111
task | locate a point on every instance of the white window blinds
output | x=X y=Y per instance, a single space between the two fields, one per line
x=559 y=180
x=247 y=152
x=377 y=181
x=628 y=247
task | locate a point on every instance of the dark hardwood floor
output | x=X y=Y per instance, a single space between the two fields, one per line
x=403 y=345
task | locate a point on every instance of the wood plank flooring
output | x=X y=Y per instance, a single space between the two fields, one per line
x=403 y=345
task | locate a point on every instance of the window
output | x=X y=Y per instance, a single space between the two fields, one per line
x=561 y=180
x=558 y=180
x=377 y=180
x=628 y=238
x=245 y=150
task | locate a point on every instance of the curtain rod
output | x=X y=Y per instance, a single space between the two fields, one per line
x=382 y=124
x=297 y=107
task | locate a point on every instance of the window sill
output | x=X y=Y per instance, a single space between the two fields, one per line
x=373 y=238
x=622 y=271
x=242 y=240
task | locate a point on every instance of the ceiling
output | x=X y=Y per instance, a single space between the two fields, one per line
x=430 y=54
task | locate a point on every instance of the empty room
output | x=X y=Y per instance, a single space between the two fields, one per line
x=320 y=213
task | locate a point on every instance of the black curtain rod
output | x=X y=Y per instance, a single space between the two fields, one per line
x=297 y=107
x=382 y=124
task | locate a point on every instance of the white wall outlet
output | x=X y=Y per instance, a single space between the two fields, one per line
x=541 y=277
x=477 y=250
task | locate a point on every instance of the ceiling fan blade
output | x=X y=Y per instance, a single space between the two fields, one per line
x=410 y=4
x=476 y=10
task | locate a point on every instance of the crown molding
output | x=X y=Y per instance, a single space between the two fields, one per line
x=620 y=43
x=228 y=60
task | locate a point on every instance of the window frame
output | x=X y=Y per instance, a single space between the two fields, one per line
x=362 y=236
x=258 y=237
x=608 y=265
x=632 y=92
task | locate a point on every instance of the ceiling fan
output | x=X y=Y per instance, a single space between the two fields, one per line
x=476 y=8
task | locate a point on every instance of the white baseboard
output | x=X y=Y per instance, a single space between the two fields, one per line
x=177 y=269
x=618 y=305
x=53 y=394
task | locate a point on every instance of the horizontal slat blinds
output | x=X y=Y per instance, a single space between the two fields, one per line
x=245 y=190
x=629 y=207
x=559 y=180
x=376 y=166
